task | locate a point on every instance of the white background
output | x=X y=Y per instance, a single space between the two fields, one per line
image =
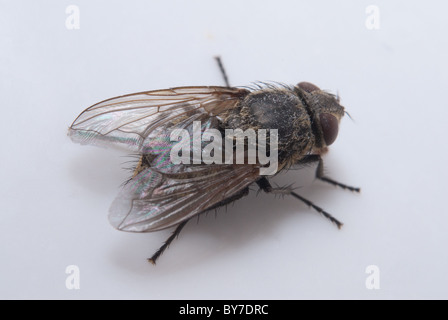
x=55 y=194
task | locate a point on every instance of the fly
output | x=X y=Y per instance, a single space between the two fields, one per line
x=162 y=194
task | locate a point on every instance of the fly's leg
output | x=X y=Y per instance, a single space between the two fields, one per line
x=179 y=227
x=265 y=185
x=167 y=243
x=223 y=71
x=320 y=173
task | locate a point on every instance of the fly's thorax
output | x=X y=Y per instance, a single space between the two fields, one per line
x=279 y=109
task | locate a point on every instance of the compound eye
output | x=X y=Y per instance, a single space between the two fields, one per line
x=308 y=87
x=330 y=127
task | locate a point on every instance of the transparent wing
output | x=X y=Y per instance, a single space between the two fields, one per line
x=128 y=120
x=153 y=201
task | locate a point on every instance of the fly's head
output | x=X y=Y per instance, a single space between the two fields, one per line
x=324 y=110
